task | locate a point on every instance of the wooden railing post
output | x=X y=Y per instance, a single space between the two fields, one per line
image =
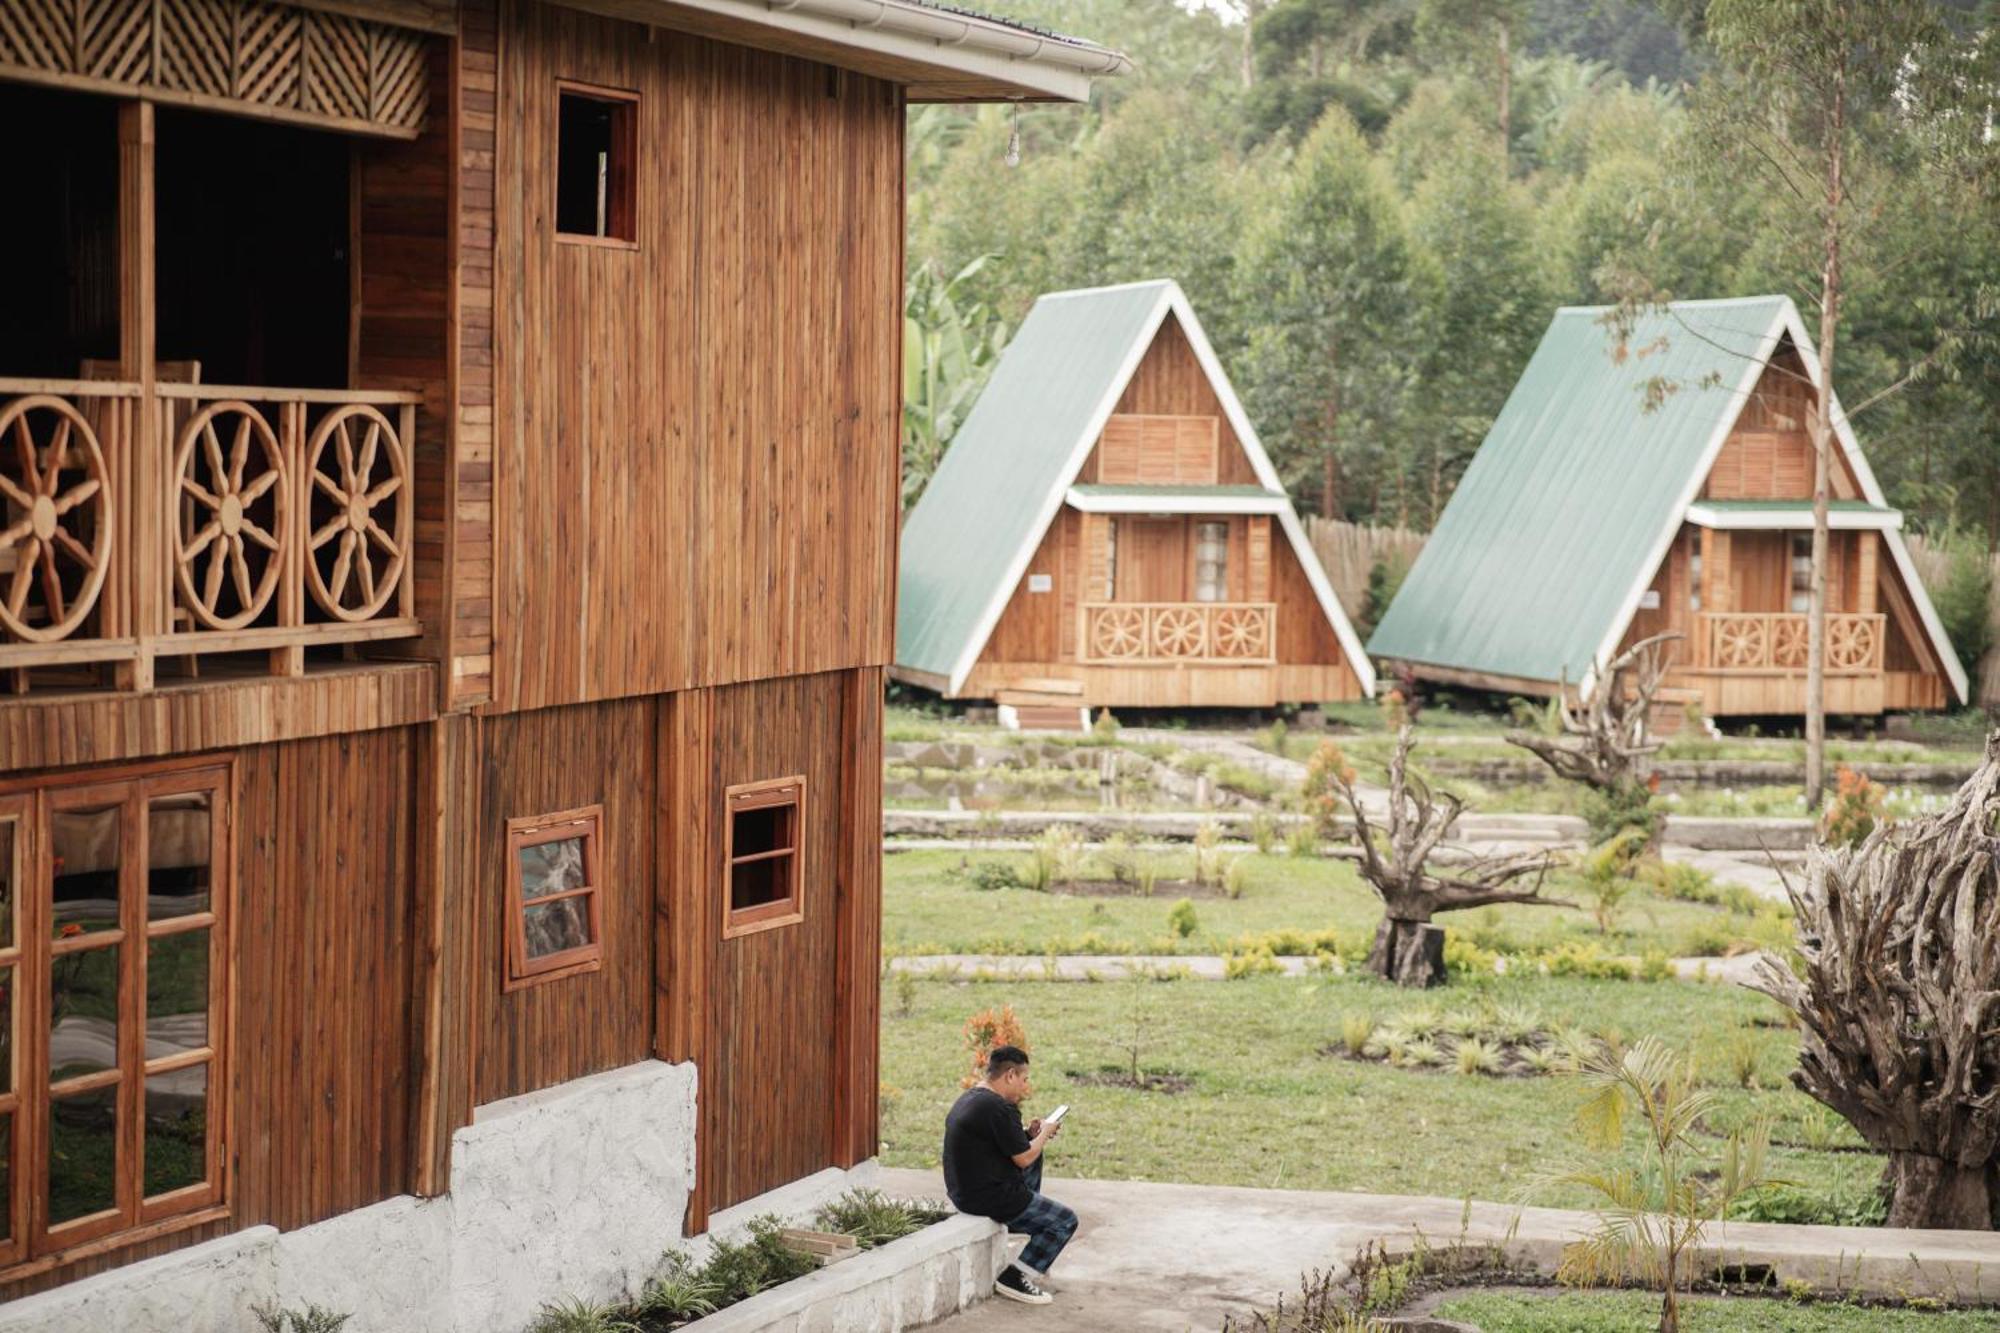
x=136 y=606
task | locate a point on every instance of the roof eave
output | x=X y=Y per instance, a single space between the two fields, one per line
x=1187 y=502
x=1789 y=520
x=936 y=55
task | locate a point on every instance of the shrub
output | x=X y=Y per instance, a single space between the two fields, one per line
x=1181 y=919
x=1845 y=1206
x=1385 y=578
x=1149 y=876
x=1462 y=955
x=1237 y=966
x=906 y=994
x=1325 y=771
x=1584 y=958
x=316 y=1319
x=1964 y=596
x=1264 y=832
x=1235 y=876
x=990 y=876
x=873 y=1218
x=1277 y=739
x=985 y=1030
x=1303 y=840
x=1119 y=858
x=1607 y=874
x=679 y=1290
x=1654 y=965
x=1855 y=809
x=572 y=1315
x=1208 y=853
x=1610 y=813
x=1424 y=1053
x=1356 y=1031
x=1477 y=1057
x=1055 y=857
x=1741 y=1057
x=741 y=1269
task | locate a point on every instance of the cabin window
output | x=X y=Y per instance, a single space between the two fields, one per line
x=554 y=922
x=112 y=1095
x=762 y=874
x=596 y=170
x=1801 y=565
x=1211 y=562
x=1694 y=575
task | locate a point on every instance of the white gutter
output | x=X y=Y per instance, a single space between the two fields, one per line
x=1793 y=520
x=1181 y=502
x=1017 y=62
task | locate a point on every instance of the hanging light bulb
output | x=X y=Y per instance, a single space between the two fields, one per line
x=1014 y=138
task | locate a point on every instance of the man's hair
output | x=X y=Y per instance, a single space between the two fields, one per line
x=1003 y=1058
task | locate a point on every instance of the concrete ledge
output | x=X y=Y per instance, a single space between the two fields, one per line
x=904 y=1284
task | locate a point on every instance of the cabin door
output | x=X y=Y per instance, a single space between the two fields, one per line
x=1152 y=560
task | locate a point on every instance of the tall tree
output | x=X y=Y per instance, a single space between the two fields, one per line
x=1470 y=25
x=1811 y=79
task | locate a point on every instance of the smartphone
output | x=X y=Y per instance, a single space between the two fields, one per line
x=1055 y=1117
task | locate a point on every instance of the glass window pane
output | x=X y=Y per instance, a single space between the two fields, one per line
x=177 y=847
x=8 y=876
x=83 y=1154
x=554 y=927
x=83 y=1014
x=762 y=830
x=754 y=883
x=176 y=1129
x=7 y=980
x=551 y=867
x=6 y=1177
x=85 y=851
x=176 y=993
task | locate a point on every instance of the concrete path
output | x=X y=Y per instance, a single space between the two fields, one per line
x=1182 y=1257
x=1196 y=967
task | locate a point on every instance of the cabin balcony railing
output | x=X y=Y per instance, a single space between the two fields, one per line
x=1776 y=641
x=1120 y=633
x=258 y=519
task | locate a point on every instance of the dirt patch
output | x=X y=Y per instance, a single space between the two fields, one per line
x=1127 y=888
x=1110 y=1077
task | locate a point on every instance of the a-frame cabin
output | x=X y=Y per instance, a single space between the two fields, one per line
x=1106 y=530
x=1589 y=520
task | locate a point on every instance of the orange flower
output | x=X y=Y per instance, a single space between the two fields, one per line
x=71 y=928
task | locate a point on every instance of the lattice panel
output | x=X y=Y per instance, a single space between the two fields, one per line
x=306 y=64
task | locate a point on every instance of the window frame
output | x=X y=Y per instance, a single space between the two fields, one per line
x=33 y=1245
x=586 y=822
x=771 y=793
x=621 y=202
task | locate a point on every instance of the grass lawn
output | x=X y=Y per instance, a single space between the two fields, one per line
x=927 y=908
x=1626 y=1311
x=1267 y=1108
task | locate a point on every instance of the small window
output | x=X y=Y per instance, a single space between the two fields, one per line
x=1801 y=590
x=552 y=897
x=1211 y=562
x=762 y=877
x=596 y=157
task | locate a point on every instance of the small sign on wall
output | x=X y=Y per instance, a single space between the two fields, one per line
x=1649 y=600
x=1041 y=583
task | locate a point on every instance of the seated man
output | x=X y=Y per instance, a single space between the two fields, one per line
x=993 y=1168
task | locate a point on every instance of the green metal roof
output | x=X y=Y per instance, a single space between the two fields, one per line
x=1568 y=505
x=1011 y=461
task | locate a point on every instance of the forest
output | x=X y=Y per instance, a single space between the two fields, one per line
x=1376 y=205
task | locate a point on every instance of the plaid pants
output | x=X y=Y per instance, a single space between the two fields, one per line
x=1048 y=1224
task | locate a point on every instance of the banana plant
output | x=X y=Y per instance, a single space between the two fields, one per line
x=951 y=342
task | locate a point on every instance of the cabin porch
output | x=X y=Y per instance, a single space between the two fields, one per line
x=1736 y=585
x=204 y=471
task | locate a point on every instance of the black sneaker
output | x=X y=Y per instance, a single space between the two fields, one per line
x=1016 y=1285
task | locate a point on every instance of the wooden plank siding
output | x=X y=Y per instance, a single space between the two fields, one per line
x=469 y=676
x=1169 y=381
x=699 y=484
x=324 y=841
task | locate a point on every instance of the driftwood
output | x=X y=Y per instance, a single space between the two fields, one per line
x=1606 y=738
x=1395 y=861
x=1899 y=1001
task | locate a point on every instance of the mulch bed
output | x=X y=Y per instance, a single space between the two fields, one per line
x=1110 y=1077
x=1129 y=888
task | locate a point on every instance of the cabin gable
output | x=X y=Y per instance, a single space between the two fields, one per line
x=1768 y=454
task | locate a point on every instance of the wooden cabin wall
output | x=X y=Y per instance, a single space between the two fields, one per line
x=320 y=1074
x=1169 y=381
x=541 y=763
x=399 y=334
x=698 y=436
x=1031 y=629
x=1768 y=455
x=1304 y=636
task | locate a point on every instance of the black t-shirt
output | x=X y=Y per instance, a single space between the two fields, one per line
x=982 y=1136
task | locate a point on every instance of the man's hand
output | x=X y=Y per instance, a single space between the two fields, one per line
x=1046 y=1132
x=1034 y=1127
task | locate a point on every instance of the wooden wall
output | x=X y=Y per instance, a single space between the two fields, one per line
x=322 y=1061
x=470 y=668
x=698 y=437
x=1169 y=381
x=1768 y=455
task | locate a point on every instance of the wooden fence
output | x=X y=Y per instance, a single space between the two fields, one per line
x=1347 y=551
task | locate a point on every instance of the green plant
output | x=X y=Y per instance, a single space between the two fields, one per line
x=1423 y=1052
x=1477 y=1057
x=1278 y=739
x=1235 y=876
x=1259 y=962
x=1055 y=857
x=1607 y=874
x=1653 y=1216
x=1964 y=596
x=1541 y=1059
x=1181 y=919
x=1208 y=853
x=678 y=1291
x=1119 y=857
x=1742 y=1057
x=273 y=1318
x=1607 y=814
x=1106 y=727
x=1356 y=1031
x=741 y=1269
x=1654 y=965
x=906 y=994
x=1303 y=840
x=1149 y=876
x=1264 y=832
x=990 y=876
x=873 y=1218
x=1327 y=772
x=985 y=1030
x=574 y=1314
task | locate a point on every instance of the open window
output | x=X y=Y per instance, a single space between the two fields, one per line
x=762 y=847
x=553 y=916
x=597 y=145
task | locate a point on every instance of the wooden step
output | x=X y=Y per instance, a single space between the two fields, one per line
x=1034 y=717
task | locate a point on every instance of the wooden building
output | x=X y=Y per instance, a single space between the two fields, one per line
x=1670 y=490
x=1106 y=530
x=448 y=500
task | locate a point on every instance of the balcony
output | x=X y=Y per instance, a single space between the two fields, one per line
x=1156 y=633
x=200 y=519
x=1752 y=641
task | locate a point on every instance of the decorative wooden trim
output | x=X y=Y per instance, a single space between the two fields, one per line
x=586 y=823
x=250 y=57
x=17 y=812
x=772 y=793
x=621 y=190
